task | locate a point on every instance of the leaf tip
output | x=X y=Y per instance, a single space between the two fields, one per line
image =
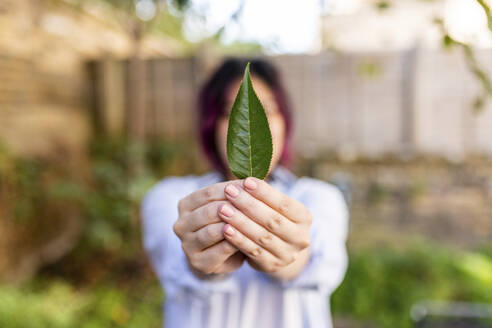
x=246 y=71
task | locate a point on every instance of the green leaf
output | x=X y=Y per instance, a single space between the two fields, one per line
x=249 y=141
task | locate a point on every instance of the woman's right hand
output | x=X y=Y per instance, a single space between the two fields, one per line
x=200 y=229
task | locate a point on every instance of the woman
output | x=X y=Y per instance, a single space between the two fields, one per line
x=245 y=253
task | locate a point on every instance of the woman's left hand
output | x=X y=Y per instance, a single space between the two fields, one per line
x=269 y=227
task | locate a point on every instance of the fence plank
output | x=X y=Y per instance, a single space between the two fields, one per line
x=375 y=101
x=440 y=104
x=163 y=92
x=113 y=96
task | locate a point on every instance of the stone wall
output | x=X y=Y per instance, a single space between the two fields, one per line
x=394 y=200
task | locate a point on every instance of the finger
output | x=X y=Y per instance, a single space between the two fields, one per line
x=202 y=197
x=207 y=236
x=202 y=216
x=262 y=213
x=233 y=263
x=214 y=256
x=266 y=260
x=256 y=233
x=290 y=208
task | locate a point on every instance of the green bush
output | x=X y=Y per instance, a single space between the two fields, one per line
x=109 y=199
x=382 y=284
x=55 y=307
x=58 y=305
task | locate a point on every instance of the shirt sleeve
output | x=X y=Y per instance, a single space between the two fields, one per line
x=159 y=213
x=328 y=262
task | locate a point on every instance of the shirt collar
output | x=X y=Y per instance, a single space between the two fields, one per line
x=280 y=178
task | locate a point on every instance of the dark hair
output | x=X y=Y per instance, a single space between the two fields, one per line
x=211 y=103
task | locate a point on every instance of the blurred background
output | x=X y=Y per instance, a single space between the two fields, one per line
x=392 y=103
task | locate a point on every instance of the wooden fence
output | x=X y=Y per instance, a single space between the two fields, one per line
x=364 y=104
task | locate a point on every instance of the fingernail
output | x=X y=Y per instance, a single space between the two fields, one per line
x=226 y=210
x=228 y=230
x=231 y=190
x=250 y=183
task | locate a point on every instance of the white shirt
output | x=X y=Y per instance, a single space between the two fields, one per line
x=248 y=298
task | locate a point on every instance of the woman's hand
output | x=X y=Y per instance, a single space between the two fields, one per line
x=200 y=229
x=269 y=227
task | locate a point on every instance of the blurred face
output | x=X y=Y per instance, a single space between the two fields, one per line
x=275 y=119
